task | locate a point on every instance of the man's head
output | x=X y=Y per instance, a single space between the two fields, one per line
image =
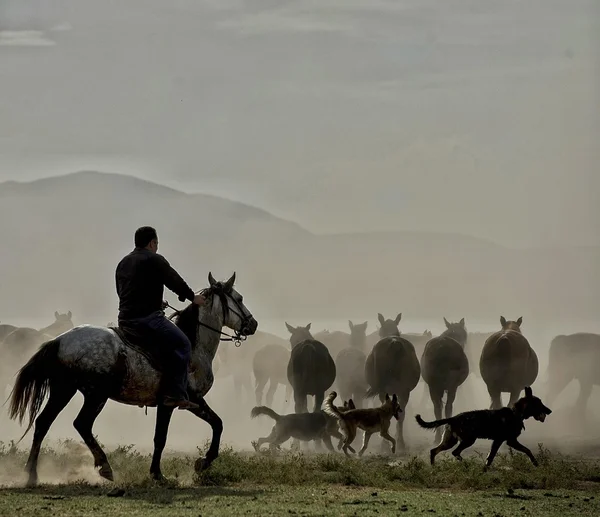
x=146 y=237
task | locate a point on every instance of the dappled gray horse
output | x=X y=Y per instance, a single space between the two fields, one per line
x=444 y=367
x=507 y=363
x=576 y=356
x=350 y=366
x=311 y=370
x=393 y=367
x=95 y=361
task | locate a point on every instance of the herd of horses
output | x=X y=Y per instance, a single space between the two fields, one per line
x=97 y=362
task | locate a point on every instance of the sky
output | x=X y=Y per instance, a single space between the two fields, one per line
x=475 y=117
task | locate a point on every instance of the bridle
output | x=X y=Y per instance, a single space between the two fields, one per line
x=218 y=290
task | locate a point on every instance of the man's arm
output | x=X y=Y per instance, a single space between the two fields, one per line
x=173 y=281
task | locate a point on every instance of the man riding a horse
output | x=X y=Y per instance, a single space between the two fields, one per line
x=140 y=278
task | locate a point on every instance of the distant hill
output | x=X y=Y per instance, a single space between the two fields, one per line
x=63 y=236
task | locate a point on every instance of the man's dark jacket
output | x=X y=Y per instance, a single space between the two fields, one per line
x=141 y=277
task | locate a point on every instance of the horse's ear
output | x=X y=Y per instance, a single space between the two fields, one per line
x=387 y=397
x=230 y=282
x=520 y=320
x=380 y=318
x=462 y=322
x=56 y=314
x=211 y=279
x=289 y=327
x=446 y=322
x=308 y=326
x=398 y=318
x=351 y=325
x=502 y=321
x=528 y=391
x=365 y=324
x=69 y=314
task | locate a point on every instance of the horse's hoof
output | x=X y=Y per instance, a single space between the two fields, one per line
x=159 y=478
x=201 y=464
x=106 y=472
x=31 y=482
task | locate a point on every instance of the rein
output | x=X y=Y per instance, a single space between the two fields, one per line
x=237 y=338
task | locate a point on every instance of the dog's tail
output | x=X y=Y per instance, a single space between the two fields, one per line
x=330 y=409
x=431 y=425
x=264 y=410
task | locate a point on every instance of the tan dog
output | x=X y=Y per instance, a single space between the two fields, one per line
x=369 y=420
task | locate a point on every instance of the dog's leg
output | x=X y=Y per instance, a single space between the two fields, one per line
x=493 y=451
x=351 y=434
x=366 y=439
x=386 y=435
x=327 y=441
x=514 y=443
x=464 y=444
x=449 y=440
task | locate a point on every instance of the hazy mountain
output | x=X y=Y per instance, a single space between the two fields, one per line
x=62 y=238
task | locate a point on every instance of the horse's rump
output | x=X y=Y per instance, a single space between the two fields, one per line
x=444 y=361
x=392 y=365
x=142 y=343
x=507 y=358
x=311 y=369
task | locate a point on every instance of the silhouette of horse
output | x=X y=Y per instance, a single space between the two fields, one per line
x=311 y=370
x=95 y=361
x=270 y=366
x=393 y=367
x=576 y=356
x=507 y=363
x=335 y=341
x=444 y=367
x=350 y=366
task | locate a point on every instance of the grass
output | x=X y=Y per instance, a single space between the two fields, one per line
x=300 y=484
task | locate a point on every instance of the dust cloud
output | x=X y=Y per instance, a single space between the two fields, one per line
x=344 y=159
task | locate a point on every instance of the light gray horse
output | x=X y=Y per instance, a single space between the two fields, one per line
x=95 y=361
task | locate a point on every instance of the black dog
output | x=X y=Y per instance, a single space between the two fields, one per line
x=500 y=425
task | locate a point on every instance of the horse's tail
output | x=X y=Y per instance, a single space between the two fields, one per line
x=264 y=410
x=33 y=383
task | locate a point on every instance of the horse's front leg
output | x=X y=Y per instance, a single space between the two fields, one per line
x=163 y=418
x=209 y=416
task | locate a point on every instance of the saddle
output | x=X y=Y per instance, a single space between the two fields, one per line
x=142 y=343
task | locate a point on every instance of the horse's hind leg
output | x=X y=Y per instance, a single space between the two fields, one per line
x=261 y=382
x=163 y=419
x=271 y=392
x=450 y=398
x=319 y=398
x=60 y=396
x=92 y=406
x=211 y=418
x=495 y=396
x=436 y=395
x=585 y=390
x=403 y=401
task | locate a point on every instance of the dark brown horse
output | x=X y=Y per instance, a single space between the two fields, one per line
x=350 y=366
x=393 y=367
x=311 y=370
x=507 y=363
x=576 y=356
x=444 y=367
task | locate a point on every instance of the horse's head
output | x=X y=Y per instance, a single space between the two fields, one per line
x=298 y=334
x=224 y=297
x=389 y=327
x=63 y=322
x=428 y=334
x=511 y=325
x=358 y=334
x=457 y=331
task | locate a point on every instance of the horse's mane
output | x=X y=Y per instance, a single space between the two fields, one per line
x=187 y=321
